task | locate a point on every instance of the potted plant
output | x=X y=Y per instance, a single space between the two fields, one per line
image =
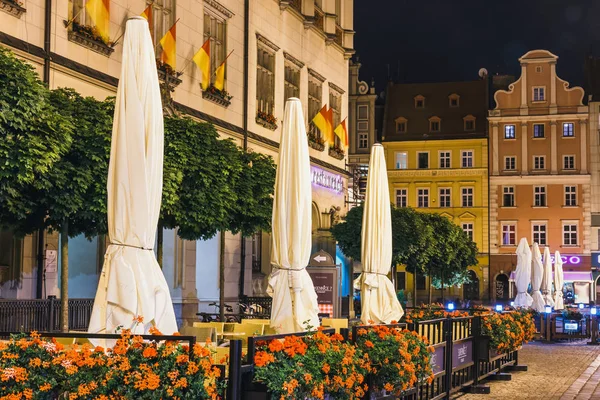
x=218 y=96
x=336 y=151
x=504 y=333
x=267 y=120
x=315 y=141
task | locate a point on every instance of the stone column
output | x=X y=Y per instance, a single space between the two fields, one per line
x=553 y=149
x=524 y=155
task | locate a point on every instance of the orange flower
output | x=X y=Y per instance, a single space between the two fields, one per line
x=275 y=346
x=326 y=368
x=138 y=319
x=369 y=344
x=149 y=352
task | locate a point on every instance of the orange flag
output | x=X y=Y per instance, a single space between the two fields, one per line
x=168 y=44
x=99 y=12
x=320 y=121
x=202 y=60
x=148 y=15
x=342 y=132
x=330 y=136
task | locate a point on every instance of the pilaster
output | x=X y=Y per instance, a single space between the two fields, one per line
x=553 y=149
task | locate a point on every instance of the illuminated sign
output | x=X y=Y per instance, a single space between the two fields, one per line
x=567 y=259
x=571 y=326
x=326 y=179
x=596 y=259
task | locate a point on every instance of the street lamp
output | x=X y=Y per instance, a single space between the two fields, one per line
x=512 y=303
x=593 y=311
x=450 y=306
x=581 y=305
x=548 y=309
x=498 y=307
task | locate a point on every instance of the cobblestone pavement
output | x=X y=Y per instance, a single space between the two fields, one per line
x=558 y=371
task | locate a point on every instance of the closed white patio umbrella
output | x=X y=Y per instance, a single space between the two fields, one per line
x=559 y=303
x=547 y=279
x=132 y=283
x=294 y=297
x=523 y=274
x=537 y=272
x=379 y=302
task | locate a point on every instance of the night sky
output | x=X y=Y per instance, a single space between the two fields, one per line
x=449 y=40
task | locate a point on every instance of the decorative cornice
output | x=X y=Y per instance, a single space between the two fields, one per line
x=266 y=42
x=293 y=60
x=426 y=173
x=316 y=75
x=219 y=8
x=336 y=88
x=539 y=179
x=12 y=7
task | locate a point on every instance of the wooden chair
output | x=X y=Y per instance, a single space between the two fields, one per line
x=217 y=325
x=248 y=330
x=202 y=335
x=336 y=323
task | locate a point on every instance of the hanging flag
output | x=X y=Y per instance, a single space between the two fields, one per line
x=148 y=15
x=220 y=74
x=342 y=133
x=168 y=44
x=99 y=12
x=320 y=121
x=202 y=60
x=330 y=135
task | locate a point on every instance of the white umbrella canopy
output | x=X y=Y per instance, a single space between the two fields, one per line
x=294 y=298
x=132 y=283
x=547 y=279
x=379 y=302
x=558 y=282
x=537 y=272
x=523 y=274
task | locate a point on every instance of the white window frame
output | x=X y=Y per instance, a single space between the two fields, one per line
x=467 y=193
x=398 y=164
x=363 y=140
x=401 y=195
x=540 y=196
x=265 y=98
x=539 y=232
x=536 y=163
x=446 y=156
x=538 y=94
x=467 y=155
x=570 y=224
x=447 y=196
x=565 y=124
x=510 y=128
x=469 y=229
x=513 y=231
x=570 y=196
x=422 y=197
x=428 y=159
x=506 y=158
x=565 y=157
x=508 y=190
x=543 y=131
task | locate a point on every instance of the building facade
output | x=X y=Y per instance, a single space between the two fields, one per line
x=539 y=169
x=435 y=139
x=279 y=49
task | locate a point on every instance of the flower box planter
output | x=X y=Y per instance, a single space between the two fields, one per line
x=335 y=153
x=316 y=145
x=222 y=100
x=173 y=78
x=266 y=124
x=12 y=7
x=485 y=352
x=86 y=37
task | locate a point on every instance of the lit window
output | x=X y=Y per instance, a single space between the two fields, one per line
x=570 y=196
x=401 y=198
x=509 y=132
x=538 y=130
x=401 y=160
x=509 y=234
x=569 y=234
x=467 y=197
x=539 y=196
x=539 y=233
x=568 y=129
x=508 y=196
x=444 y=159
x=445 y=197
x=422 y=198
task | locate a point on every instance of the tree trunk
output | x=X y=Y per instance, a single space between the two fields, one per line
x=442 y=287
x=222 y=275
x=415 y=287
x=430 y=292
x=64 y=278
x=159 y=244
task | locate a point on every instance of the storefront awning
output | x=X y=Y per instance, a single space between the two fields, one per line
x=569 y=276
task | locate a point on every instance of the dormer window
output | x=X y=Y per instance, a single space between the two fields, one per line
x=454 y=100
x=434 y=124
x=469 y=122
x=401 y=124
x=419 y=101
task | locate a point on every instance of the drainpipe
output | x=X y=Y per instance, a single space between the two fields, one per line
x=245 y=128
x=40 y=245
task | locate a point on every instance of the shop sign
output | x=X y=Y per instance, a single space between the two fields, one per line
x=596 y=259
x=326 y=179
x=324 y=282
x=567 y=259
x=571 y=326
x=462 y=353
x=437 y=360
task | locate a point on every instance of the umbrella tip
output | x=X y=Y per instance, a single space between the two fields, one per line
x=136 y=17
x=293 y=99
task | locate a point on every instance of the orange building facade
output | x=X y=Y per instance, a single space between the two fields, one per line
x=539 y=170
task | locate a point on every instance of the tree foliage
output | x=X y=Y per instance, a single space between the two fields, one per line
x=428 y=243
x=33 y=137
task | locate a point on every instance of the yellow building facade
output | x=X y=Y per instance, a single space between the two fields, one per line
x=442 y=170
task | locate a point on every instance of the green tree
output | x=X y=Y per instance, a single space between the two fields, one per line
x=33 y=137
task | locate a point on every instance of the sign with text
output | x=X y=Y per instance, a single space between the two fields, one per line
x=462 y=353
x=324 y=282
x=51 y=261
x=326 y=179
x=567 y=259
x=571 y=326
x=437 y=360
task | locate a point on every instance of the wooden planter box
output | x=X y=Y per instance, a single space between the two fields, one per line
x=266 y=124
x=316 y=145
x=485 y=353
